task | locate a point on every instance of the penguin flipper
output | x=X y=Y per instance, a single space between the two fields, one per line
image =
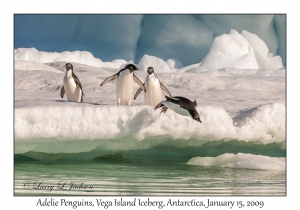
x=77 y=82
x=137 y=93
x=165 y=89
x=108 y=79
x=139 y=82
x=62 y=92
x=175 y=100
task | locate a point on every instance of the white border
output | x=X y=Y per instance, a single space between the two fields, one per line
x=140 y=7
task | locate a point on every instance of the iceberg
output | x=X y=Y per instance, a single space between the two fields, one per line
x=187 y=38
x=233 y=51
x=240 y=51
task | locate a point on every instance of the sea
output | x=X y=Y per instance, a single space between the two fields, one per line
x=159 y=171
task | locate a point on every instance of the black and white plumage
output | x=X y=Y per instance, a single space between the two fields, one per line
x=180 y=105
x=71 y=85
x=154 y=87
x=124 y=86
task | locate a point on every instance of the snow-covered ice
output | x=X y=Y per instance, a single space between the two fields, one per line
x=241 y=160
x=248 y=107
x=245 y=104
x=241 y=51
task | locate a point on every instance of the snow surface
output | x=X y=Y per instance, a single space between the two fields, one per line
x=90 y=122
x=185 y=37
x=31 y=65
x=245 y=105
x=241 y=160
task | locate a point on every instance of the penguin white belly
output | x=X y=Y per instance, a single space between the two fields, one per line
x=176 y=108
x=73 y=91
x=124 y=87
x=152 y=95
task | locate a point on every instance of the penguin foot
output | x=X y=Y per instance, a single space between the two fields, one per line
x=164 y=109
x=157 y=106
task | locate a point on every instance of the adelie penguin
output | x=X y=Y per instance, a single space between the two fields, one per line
x=72 y=86
x=154 y=87
x=124 y=86
x=180 y=105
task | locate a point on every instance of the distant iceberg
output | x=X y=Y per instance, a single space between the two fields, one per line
x=240 y=51
x=186 y=37
x=82 y=57
x=233 y=51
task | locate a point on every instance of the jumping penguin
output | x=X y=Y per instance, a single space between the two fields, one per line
x=71 y=85
x=180 y=105
x=153 y=86
x=124 y=86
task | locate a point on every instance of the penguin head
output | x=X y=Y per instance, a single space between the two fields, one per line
x=197 y=117
x=69 y=66
x=131 y=67
x=150 y=70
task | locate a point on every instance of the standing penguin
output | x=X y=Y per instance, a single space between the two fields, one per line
x=124 y=87
x=72 y=86
x=180 y=105
x=153 y=86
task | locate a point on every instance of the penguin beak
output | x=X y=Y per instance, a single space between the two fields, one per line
x=199 y=120
x=132 y=70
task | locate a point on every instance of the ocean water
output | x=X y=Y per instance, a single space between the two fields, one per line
x=142 y=177
x=169 y=167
